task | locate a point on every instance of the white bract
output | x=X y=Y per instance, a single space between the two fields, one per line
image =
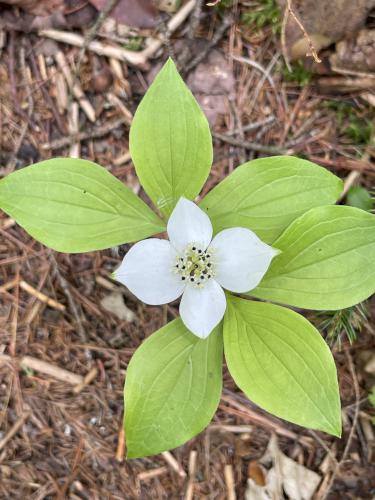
x=194 y=265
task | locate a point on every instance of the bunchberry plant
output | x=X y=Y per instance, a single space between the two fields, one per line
x=269 y=231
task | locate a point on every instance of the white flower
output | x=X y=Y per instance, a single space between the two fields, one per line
x=190 y=264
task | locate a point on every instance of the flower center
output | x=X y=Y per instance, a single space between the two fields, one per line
x=195 y=266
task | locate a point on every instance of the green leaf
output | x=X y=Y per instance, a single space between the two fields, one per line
x=267 y=194
x=327 y=260
x=170 y=141
x=74 y=205
x=172 y=389
x=359 y=197
x=281 y=362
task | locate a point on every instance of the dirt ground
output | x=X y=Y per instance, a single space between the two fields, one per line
x=60 y=431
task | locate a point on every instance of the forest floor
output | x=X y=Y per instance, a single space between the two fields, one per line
x=60 y=431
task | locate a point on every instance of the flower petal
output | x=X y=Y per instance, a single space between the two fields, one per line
x=189 y=224
x=147 y=270
x=201 y=309
x=241 y=259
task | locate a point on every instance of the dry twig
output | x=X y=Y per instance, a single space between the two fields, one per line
x=104 y=129
x=169 y=458
x=41 y=296
x=252 y=146
x=289 y=11
x=229 y=482
x=138 y=59
x=16 y=427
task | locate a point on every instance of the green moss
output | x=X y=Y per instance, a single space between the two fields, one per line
x=351 y=123
x=299 y=73
x=223 y=5
x=135 y=43
x=267 y=13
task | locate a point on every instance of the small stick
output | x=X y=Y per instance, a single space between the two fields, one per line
x=74 y=86
x=86 y=380
x=40 y=296
x=117 y=103
x=105 y=283
x=82 y=136
x=138 y=59
x=349 y=181
x=42 y=67
x=252 y=126
x=9 y=285
x=149 y=474
x=261 y=148
x=229 y=482
x=192 y=469
x=121 y=160
x=289 y=10
x=236 y=429
x=258 y=419
x=14 y=429
x=32 y=313
x=52 y=370
x=61 y=90
x=346 y=84
x=169 y=458
x=345 y=164
x=115 y=52
x=120 y=452
x=73 y=126
x=172 y=25
x=116 y=68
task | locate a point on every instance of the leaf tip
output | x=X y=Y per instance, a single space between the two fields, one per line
x=170 y=64
x=335 y=427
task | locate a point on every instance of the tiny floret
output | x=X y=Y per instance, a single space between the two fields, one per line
x=196 y=267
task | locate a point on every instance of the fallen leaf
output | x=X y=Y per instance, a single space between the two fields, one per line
x=256 y=473
x=284 y=477
x=298 y=482
x=256 y=492
x=114 y=303
x=139 y=13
